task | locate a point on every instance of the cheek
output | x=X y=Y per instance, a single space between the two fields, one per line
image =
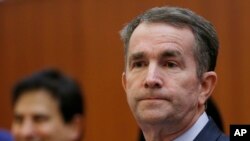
x=44 y=131
x=189 y=84
x=47 y=130
x=131 y=86
x=130 y=82
x=132 y=93
x=130 y=97
x=15 y=131
x=191 y=98
x=134 y=83
x=186 y=90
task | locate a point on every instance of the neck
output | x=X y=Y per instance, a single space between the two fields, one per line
x=169 y=130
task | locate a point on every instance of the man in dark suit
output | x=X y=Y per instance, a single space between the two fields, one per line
x=211 y=109
x=170 y=57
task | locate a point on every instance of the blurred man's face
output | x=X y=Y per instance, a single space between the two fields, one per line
x=37 y=118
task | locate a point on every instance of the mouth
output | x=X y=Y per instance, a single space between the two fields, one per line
x=154 y=98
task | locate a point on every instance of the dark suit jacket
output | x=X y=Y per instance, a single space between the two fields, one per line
x=211 y=133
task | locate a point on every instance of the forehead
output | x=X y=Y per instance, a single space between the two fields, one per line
x=161 y=35
x=36 y=102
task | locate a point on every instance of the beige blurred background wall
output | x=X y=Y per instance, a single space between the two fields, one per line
x=81 y=38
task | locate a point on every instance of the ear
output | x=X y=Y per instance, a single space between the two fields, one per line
x=76 y=128
x=124 y=81
x=208 y=83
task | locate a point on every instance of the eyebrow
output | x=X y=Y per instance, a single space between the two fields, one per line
x=135 y=56
x=16 y=115
x=165 y=54
x=170 y=53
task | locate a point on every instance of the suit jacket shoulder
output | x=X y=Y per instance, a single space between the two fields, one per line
x=211 y=133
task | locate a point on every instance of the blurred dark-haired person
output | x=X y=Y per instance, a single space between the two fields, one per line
x=48 y=106
x=170 y=59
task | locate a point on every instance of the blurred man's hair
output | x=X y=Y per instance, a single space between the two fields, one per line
x=62 y=88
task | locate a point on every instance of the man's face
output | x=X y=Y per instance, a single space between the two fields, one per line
x=160 y=78
x=37 y=118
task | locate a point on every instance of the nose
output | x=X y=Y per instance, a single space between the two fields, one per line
x=153 y=80
x=27 y=130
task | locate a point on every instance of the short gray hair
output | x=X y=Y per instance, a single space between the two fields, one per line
x=206 y=45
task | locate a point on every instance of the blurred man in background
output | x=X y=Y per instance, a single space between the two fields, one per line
x=48 y=106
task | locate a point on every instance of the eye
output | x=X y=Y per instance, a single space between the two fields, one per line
x=40 y=118
x=138 y=64
x=18 y=119
x=170 y=64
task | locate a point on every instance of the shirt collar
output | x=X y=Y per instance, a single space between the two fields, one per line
x=192 y=132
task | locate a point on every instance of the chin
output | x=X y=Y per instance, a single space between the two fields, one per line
x=151 y=118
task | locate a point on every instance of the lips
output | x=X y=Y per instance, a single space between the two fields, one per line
x=154 y=98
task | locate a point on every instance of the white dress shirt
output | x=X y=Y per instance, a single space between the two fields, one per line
x=192 y=132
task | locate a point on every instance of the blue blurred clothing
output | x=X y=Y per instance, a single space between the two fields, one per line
x=5 y=135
